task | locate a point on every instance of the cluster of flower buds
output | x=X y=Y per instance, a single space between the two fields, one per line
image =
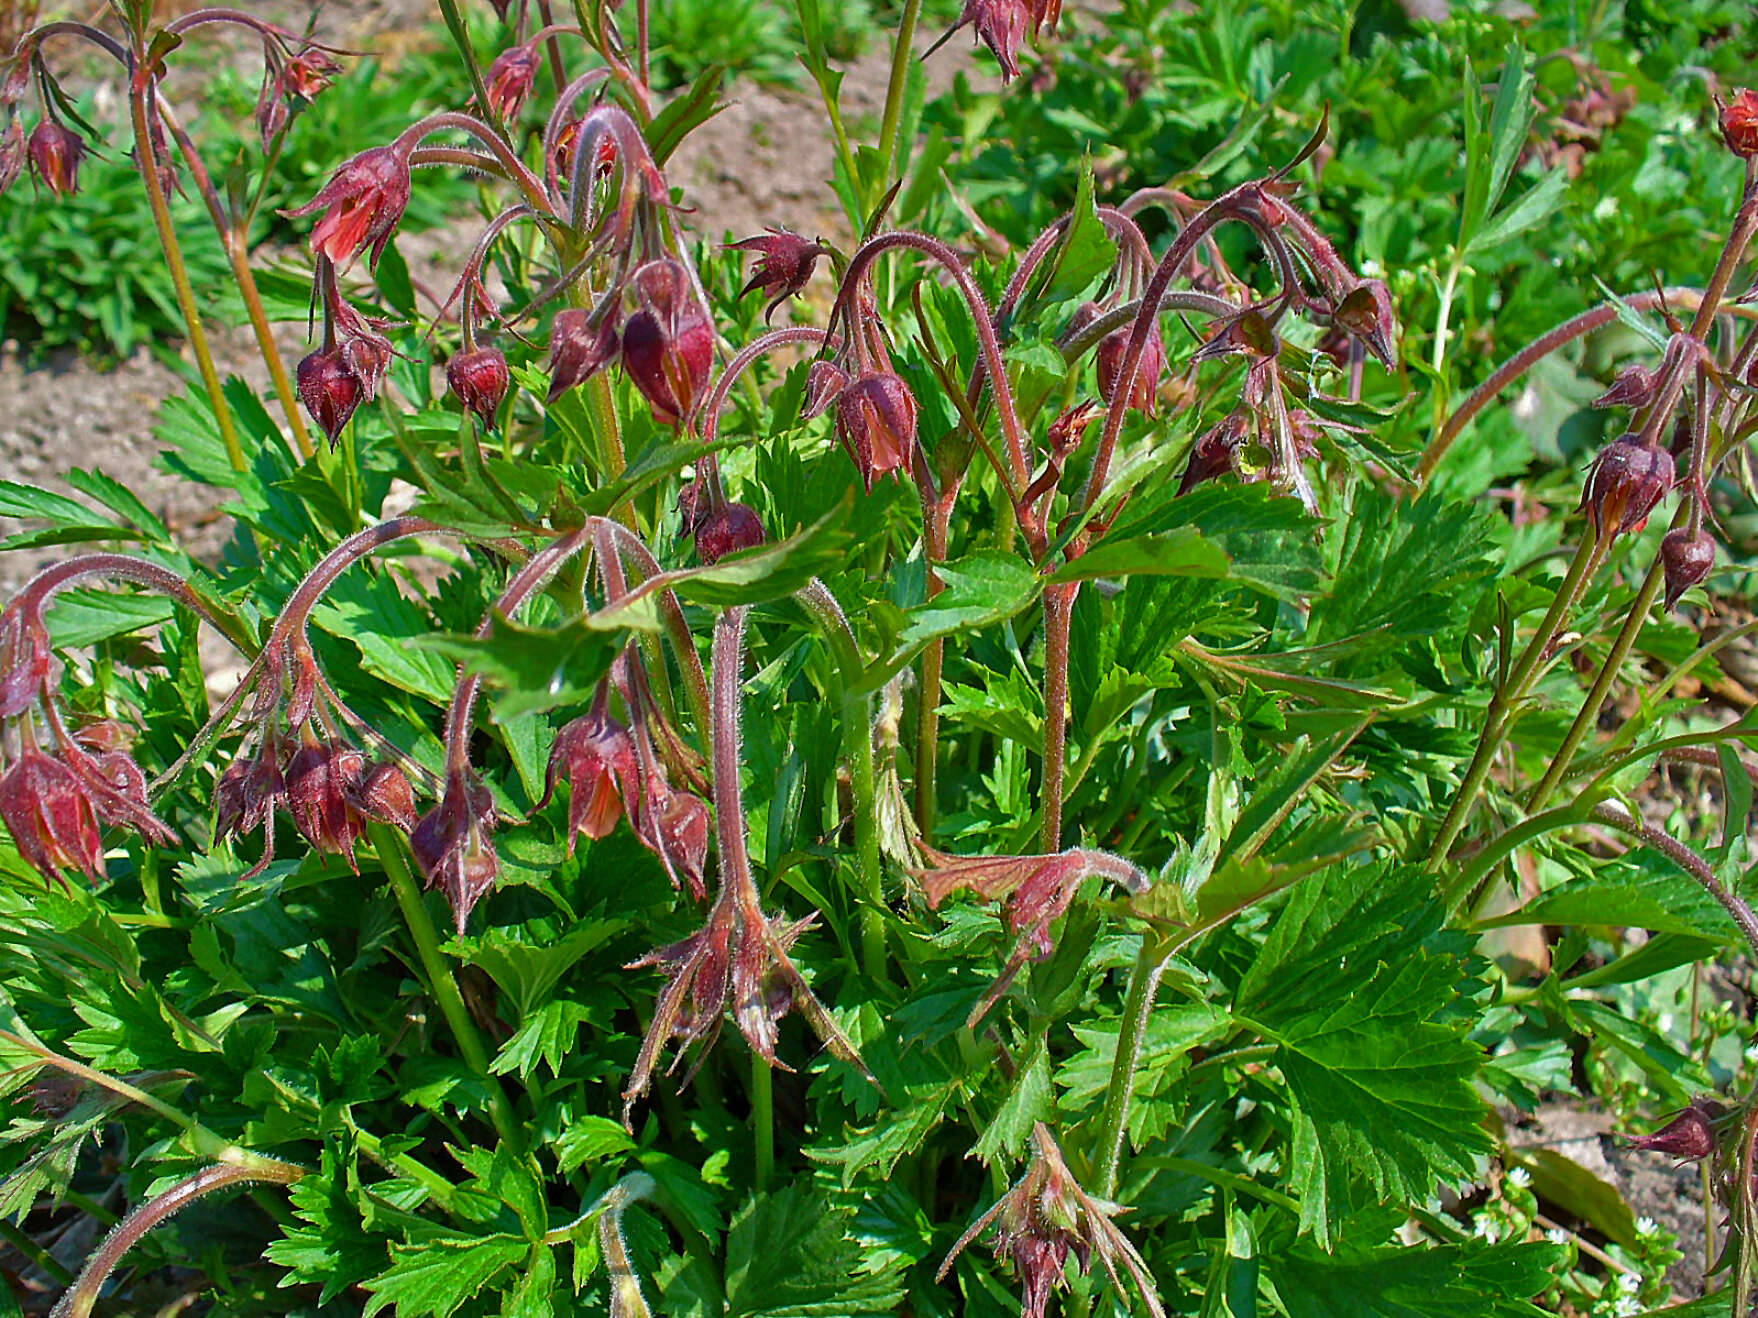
x=292 y=79
x=1043 y=1219
x=350 y=366
x=1001 y=25
x=59 y=788
x=1039 y=889
x=613 y=769
x=297 y=757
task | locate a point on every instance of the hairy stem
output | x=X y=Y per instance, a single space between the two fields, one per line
x=1138 y=1006
x=1058 y=614
x=1687 y=860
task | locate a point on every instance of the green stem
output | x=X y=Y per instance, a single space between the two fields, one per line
x=857 y=727
x=901 y=53
x=763 y=1119
x=440 y=982
x=1058 y=614
x=935 y=533
x=35 y=1253
x=198 y=339
x=1507 y=699
x=1138 y=1006
x=1465 y=883
x=461 y=39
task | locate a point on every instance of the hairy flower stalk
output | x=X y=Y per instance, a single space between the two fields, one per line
x=739 y=961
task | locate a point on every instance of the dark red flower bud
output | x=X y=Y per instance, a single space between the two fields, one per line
x=247 y=793
x=578 y=350
x=1215 y=452
x=1365 y=314
x=668 y=343
x=452 y=845
x=55 y=152
x=1739 y=123
x=825 y=381
x=726 y=530
x=1067 y=430
x=322 y=779
x=384 y=794
x=330 y=390
x=1690 y=1136
x=480 y=379
x=1626 y=481
x=783 y=267
x=1686 y=559
x=999 y=25
x=597 y=756
x=361 y=204
x=1145 y=388
x=510 y=79
x=674 y=826
x=876 y=422
x=1634 y=387
x=51 y=817
x=12 y=154
x=309 y=73
x=272 y=114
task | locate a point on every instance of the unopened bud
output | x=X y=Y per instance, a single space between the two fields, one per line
x=1690 y=1136
x=1686 y=559
x=578 y=349
x=480 y=379
x=1109 y=357
x=726 y=530
x=1739 y=123
x=330 y=390
x=1634 y=387
x=55 y=152
x=1626 y=481
x=668 y=343
x=876 y=422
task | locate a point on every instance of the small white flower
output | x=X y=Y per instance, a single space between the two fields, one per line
x=1557 y=1236
x=1665 y=1023
x=1647 y=1226
x=1629 y=1283
x=1752 y=1052
x=1519 y=1176
x=1628 y=1306
x=1486 y=1229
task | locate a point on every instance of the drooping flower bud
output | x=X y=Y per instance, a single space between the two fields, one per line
x=1739 y=123
x=578 y=350
x=510 y=79
x=384 y=794
x=1365 y=314
x=51 y=817
x=330 y=390
x=1690 y=1136
x=1144 y=389
x=674 y=826
x=1045 y=1217
x=480 y=379
x=668 y=343
x=825 y=381
x=452 y=845
x=55 y=152
x=1215 y=452
x=322 y=779
x=784 y=265
x=361 y=204
x=726 y=530
x=876 y=422
x=1686 y=560
x=596 y=754
x=1634 y=387
x=1626 y=481
x=999 y=25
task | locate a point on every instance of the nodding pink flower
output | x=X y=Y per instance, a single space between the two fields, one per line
x=597 y=756
x=452 y=845
x=55 y=152
x=578 y=349
x=876 y=422
x=361 y=205
x=784 y=264
x=668 y=343
x=51 y=816
x=1145 y=388
x=1739 y=123
x=1038 y=888
x=480 y=379
x=1626 y=481
x=330 y=389
x=999 y=25
x=1686 y=560
x=510 y=79
x=323 y=779
x=1045 y=1217
x=1690 y=1136
x=12 y=154
x=726 y=530
x=308 y=74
